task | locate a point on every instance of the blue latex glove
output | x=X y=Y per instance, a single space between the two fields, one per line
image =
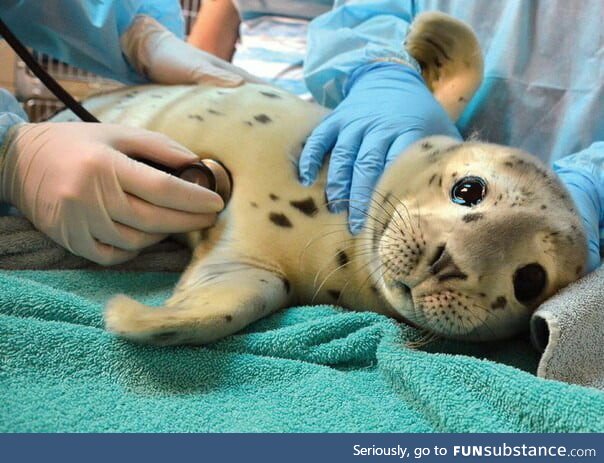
x=583 y=175
x=11 y=113
x=386 y=107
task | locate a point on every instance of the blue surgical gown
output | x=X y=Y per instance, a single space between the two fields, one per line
x=85 y=33
x=543 y=89
x=82 y=33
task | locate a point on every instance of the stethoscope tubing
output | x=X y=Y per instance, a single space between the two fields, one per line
x=207 y=172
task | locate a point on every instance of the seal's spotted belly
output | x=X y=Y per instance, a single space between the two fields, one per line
x=459 y=238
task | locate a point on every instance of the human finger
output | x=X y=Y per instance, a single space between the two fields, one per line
x=146 y=217
x=339 y=173
x=125 y=237
x=151 y=146
x=320 y=142
x=163 y=189
x=368 y=168
x=400 y=144
x=80 y=242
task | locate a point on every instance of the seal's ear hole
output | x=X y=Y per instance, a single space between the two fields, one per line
x=469 y=191
x=529 y=282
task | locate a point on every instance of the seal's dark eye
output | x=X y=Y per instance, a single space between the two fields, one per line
x=529 y=282
x=469 y=191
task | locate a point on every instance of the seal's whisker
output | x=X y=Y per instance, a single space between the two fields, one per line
x=383 y=264
x=404 y=205
x=394 y=208
x=426 y=338
x=324 y=280
x=364 y=251
x=357 y=238
x=357 y=208
x=489 y=311
x=325 y=235
x=314 y=239
x=348 y=281
x=359 y=270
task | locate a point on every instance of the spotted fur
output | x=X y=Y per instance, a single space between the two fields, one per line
x=307 y=206
x=441 y=266
x=421 y=258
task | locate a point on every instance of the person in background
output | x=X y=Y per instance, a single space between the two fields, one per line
x=216 y=29
x=80 y=183
x=542 y=92
x=266 y=38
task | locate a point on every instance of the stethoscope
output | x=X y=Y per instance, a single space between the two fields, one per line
x=207 y=173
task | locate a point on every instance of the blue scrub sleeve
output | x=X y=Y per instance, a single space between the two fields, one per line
x=583 y=175
x=11 y=113
x=86 y=34
x=354 y=33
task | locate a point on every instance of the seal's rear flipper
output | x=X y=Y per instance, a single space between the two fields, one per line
x=450 y=57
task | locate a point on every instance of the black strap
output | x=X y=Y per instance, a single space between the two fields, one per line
x=46 y=78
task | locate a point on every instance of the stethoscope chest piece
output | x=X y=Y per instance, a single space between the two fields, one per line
x=209 y=174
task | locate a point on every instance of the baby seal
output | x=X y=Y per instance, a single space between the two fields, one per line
x=474 y=240
x=464 y=240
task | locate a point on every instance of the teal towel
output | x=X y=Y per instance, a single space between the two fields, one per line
x=304 y=369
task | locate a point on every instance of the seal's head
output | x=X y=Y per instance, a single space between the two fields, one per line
x=469 y=238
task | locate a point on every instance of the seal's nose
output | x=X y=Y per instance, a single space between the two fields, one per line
x=444 y=267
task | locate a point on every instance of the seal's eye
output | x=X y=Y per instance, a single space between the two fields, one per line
x=529 y=282
x=469 y=191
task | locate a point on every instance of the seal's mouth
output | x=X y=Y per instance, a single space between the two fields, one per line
x=427 y=290
x=441 y=311
x=403 y=292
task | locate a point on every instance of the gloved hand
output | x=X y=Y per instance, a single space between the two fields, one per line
x=386 y=107
x=583 y=176
x=76 y=183
x=158 y=54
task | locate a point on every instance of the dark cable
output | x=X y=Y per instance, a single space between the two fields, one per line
x=46 y=78
x=65 y=97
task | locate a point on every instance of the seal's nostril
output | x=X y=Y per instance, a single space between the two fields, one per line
x=439 y=252
x=440 y=260
x=442 y=263
x=454 y=274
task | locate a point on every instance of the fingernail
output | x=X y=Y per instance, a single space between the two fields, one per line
x=216 y=203
x=191 y=156
x=219 y=204
x=220 y=79
x=231 y=81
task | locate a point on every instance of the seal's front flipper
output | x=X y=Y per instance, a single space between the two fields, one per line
x=215 y=297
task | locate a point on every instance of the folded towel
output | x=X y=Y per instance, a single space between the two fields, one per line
x=302 y=369
x=569 y=330
x=24 y=247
